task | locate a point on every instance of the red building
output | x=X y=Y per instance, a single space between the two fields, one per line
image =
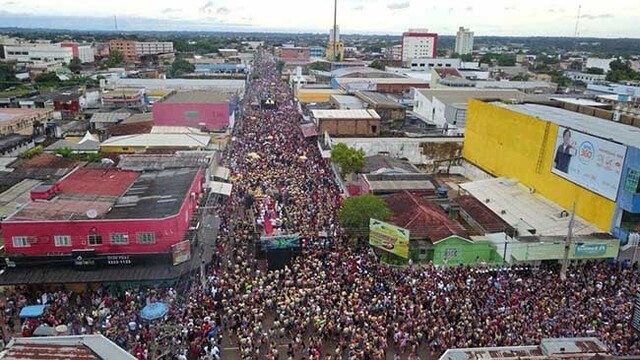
x=294 y=54
x=104 y=212
x=68 y=105
x=207 y=110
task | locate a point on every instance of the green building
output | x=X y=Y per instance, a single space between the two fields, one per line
x=455 y=250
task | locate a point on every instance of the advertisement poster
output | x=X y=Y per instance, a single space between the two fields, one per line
x=280 y=242
x=389 y=238
x=181 y=252
x=588 y=161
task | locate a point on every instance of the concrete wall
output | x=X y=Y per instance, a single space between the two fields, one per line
x=507 y=143
x=415 y=150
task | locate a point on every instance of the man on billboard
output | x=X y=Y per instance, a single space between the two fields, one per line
x=564 y=153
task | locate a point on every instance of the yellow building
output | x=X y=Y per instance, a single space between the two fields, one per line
x=521 y=141
x=315 y=95
x=339 y=50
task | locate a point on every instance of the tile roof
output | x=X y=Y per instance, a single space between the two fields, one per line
x=422 y=218
x=46 y=160
x=490 y=222
x=80 y=347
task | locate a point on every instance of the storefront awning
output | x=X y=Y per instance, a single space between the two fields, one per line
x=222 y=188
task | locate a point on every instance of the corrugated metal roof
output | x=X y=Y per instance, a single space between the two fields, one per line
x=16 y=196
x=345 y=114
x=610 y=130
x=159 y=140
x=516 y=206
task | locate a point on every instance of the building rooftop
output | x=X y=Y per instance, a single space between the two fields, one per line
x=346 y=114
x=181 y=159
x=109 y=117
x=130 y=128
x=346 y=100
x=45 y=160
x=11 y=140
x=518 y=207
x=487 y=219
x=378 y=100
x=401 y=81
x=447 y=72
x=156 y=194
x=111 y=193
x=159 y=140
x=386 y=183
x=78 y=347
x=579 y=101
x=564 y=348
x=16 y=196
x=514 y=85
x=176 y=130
x=358 y=72
x=378 y=164
x=462 y=95
x=7 y=114
x=181 y=84
x=198 y=96
x=422 y=218
x=609 y=130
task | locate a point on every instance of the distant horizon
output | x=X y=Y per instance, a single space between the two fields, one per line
x=499 y=18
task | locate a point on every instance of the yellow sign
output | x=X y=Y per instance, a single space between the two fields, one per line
x=389 y=238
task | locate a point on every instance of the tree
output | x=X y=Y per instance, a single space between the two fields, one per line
x=47 y=79
x=115 y=58
x=596 y=71
x=356 y=212
x=279 y=65
x=376 y=64
x=466 y=57
x=75 y=65
x=521 y=77
x=561 y=80
x=576 y=65
x=65 y=152
x=621 y=70
x=318 y=65
x=181 y=66
x=7 y=76
x=349 y=159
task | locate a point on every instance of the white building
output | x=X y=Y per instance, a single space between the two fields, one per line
x=337 y=34
x=153 y=47
x=425 y=63
x=464 y=41
x=447 y=108
x=38 y=53
x=598 y=64
x=85 y=54
x=418 y=43
x=584 y=77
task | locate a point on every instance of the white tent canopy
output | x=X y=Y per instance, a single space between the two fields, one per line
x=222 y=188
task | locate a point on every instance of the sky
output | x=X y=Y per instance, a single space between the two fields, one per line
x=614 y=18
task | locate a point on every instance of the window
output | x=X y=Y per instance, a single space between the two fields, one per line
x=146 y=238
x=632 y=182
x=191 y=115
x=119 y=239
x=20 y=241
x=450 y=253
x=62 y=240
x=95 y=239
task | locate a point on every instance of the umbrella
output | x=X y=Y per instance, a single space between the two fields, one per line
x=154 y=311
x=32 y=311
x=44 y=330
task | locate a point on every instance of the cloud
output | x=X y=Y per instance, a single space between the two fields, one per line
x=469 y=8
x=509 y=8
x=9 y=3
x=596 y=17
x=170 y=10
x=399 y=5
x=223 y=10
x=358 y=8
x=207 y=7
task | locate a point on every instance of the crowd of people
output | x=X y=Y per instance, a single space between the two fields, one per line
x=337 y=301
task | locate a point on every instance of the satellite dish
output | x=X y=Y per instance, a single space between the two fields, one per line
x=92 y=213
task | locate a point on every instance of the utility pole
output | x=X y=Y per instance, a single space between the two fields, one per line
x=567 y=245
x=115 y=22
x=335 y=30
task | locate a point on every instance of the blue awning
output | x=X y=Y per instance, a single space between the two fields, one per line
x=154 y=311
x=32 y=311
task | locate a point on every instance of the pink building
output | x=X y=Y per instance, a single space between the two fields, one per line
x=207 y=110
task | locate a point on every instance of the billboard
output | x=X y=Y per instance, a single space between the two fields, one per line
x=280 y=242
x=389 y=238
x=181 y=252
x=588 y=161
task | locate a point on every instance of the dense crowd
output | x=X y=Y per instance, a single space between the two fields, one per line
x=337 y=301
